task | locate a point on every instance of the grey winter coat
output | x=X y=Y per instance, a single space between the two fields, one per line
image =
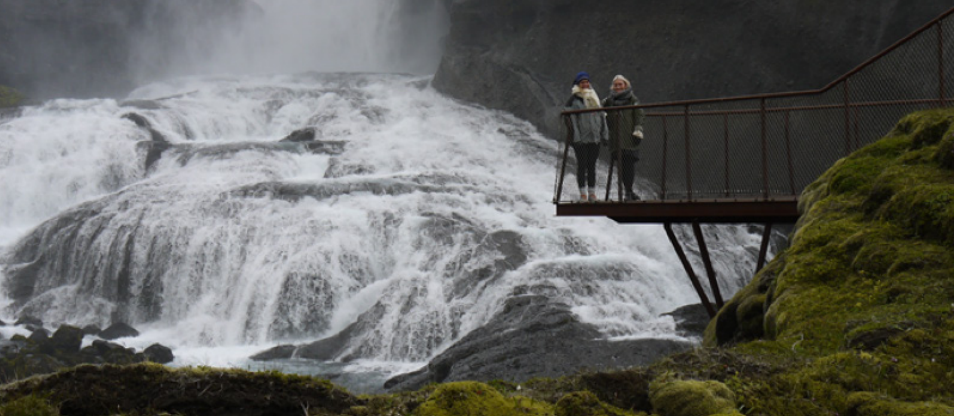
x=622 y=123
x=587 y=127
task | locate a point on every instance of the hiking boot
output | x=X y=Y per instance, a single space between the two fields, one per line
x=631 y=197
x=583 y=198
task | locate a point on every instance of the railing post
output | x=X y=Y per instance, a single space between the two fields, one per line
x=619 y=156
x=765 y=177
x=566 y=155
x=847 y=120
x=940 y=64
x=665 y=157
x=688 y=156
x=725 y=128
x=788 y=152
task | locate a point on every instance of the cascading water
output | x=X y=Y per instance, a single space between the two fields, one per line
x=406 y=222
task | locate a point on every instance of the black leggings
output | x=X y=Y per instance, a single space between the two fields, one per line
x=586 y=156
x=629 y=159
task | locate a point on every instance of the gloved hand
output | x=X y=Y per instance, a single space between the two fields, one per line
x=638 y=132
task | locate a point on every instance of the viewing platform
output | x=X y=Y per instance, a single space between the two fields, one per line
x=748 y=159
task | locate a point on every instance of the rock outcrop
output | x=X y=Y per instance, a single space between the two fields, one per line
x=521 y=55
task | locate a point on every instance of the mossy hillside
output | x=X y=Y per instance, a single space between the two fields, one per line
x=858 y=314
x=9 y=97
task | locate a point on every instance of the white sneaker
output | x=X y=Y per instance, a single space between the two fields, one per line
x=583 y=198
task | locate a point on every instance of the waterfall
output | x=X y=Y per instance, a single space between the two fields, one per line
x=415 y=232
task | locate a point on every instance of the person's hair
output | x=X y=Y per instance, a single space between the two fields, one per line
x=622 y=78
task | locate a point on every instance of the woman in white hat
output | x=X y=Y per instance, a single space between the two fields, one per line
x=626 y=131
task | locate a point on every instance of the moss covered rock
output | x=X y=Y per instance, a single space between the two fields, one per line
x=584 y=403
x=478 y=399
x=674 y=397
x=9 y=97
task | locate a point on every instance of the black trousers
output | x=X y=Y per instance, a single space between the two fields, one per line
x=628 y=160
x=586 y=156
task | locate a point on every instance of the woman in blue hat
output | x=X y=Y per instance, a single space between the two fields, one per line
x=588 y=131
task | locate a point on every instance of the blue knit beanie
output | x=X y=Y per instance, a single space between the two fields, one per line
x=580 y=77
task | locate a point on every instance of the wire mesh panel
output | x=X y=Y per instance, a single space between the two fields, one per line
x=768 y=146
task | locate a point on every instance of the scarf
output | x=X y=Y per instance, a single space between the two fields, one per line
x=625 y=97
x=590 y=99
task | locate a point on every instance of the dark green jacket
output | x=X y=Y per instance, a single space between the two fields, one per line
x=622 y=123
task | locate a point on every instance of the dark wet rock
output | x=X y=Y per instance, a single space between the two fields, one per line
x=142 y=105
x=186 y=152
x=29 y=321
x=297 y=191
x=338 y=169
x=67 y=339
x=39 y=335
x=91 y=330
x=533 y=337
x=691 y=320
x=138 y=119
x=153 y=150
x=301 y=135
x=118 y=330
x=281 y=352
x=158 y=354
x=105 y=347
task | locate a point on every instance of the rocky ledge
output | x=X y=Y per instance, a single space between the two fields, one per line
x=42 y=352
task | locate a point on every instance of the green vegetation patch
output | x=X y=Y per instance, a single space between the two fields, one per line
x=478 y=399
x=9 y=97
x=31 y=405
x=87 y=390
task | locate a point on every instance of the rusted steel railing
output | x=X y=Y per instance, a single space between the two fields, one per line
x=771 y=146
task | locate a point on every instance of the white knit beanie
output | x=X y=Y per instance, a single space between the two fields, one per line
x=622 y=78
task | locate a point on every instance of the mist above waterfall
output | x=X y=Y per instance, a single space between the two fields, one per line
x=289 y=36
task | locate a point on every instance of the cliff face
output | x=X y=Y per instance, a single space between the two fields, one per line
x=521 y=55
x=52 y=48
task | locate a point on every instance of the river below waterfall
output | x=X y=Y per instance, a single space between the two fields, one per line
x=404 y=220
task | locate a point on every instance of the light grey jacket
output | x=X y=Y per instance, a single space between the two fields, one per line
x=587 y=127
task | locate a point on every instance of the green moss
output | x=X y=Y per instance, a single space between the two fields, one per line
x=927 y=210
x=31 y=405
x=944 y=155
x=674 y=397
x=9 y=97
x=477 y=399
x=871 y=404
x=584 y=403
x=925 y=127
